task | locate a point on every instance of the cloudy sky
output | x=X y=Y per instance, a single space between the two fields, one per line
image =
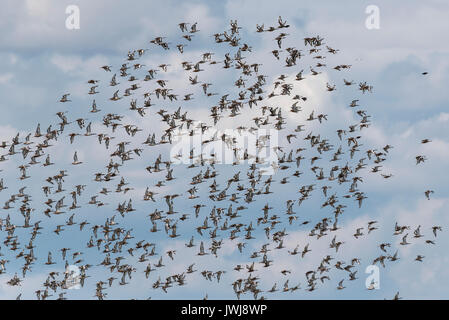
x=41 y=59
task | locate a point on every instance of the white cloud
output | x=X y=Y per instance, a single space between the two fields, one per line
x=4 y=78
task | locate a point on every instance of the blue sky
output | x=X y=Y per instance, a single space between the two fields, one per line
x=40 y=59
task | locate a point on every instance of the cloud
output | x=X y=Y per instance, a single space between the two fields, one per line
x=4 y=78
x=42 y=60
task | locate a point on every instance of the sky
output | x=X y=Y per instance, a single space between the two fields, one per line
x=41 y=59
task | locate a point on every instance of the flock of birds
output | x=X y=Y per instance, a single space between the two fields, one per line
x=313 y=166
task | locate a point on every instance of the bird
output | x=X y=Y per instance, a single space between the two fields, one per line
x=75 y=159
x=65 y=98
x=427 y=193
x=204 y=213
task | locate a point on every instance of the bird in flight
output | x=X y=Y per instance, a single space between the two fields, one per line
x=129 y=213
